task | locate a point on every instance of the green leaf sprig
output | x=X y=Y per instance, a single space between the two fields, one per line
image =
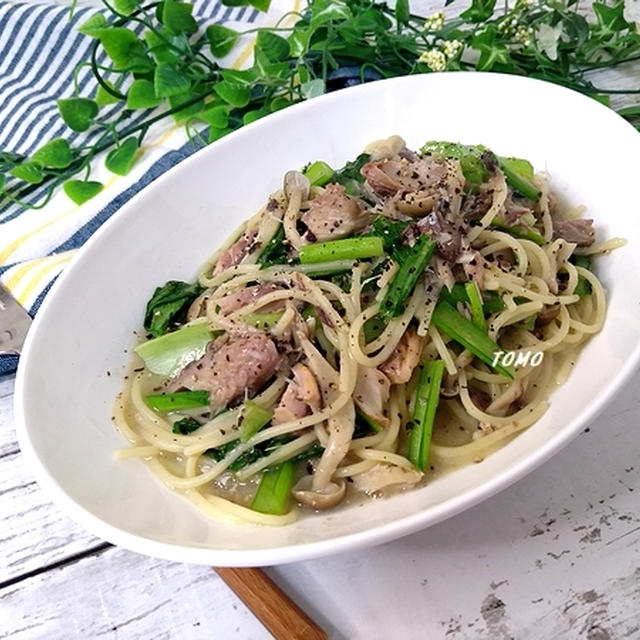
x=162 y=65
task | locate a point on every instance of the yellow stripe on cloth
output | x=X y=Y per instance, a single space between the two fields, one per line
x=113 y=182
x=34 y=275
x=15 y=245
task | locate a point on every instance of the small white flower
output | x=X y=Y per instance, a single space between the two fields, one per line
x=508 y=24
x=547 y=38
x=434 y=59
x=523 y=35
x=435 y=21
x=452 y=48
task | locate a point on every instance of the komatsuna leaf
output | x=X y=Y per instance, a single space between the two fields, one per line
x=126 y=7
x=125 y=49
x=93 y=25
x=2 y=181
x=176 y=16
x=77 y=113
x=141 y=95
x=29 y=172
x=168 y=81
x=233 y=94
x=260 y=5
x=82 y=190
x=55 y=154
x=120 y=159
x=168 y=305
x=221 y=39
x=274 y=47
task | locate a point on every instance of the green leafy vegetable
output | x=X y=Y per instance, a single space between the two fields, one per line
x=424 y=412
x=170 y=353
x=253 y=418
x=456 y=326
x=275 y=252
x=583 y=288
x=345 y=249
x=178 y=401
x=185 y=426
x=168 y=305
x=262 y=320
x=475 y=305
x=413 y=262
x=518 y=174
x=273 y=491
x=319 y=173
x=518 y=231
x=472 y=166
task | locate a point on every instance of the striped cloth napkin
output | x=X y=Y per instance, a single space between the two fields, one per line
x=40 y=49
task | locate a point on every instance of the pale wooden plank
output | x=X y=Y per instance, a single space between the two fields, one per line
x=8 y=442
x=33 y=533
x=125 y=595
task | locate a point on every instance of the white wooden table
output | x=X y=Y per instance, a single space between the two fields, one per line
x=555 y=556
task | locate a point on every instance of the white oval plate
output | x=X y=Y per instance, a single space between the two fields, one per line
x=84 y=330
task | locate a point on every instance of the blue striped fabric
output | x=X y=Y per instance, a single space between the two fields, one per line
x=40 y=51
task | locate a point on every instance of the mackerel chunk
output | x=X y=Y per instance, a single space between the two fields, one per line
x=333 y=214
x=230 y=368
x=579 y=230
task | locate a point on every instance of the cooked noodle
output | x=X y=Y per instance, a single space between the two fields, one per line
x=339 y=393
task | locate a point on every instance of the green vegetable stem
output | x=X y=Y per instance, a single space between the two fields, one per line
x=426 y=403
x=273 y=491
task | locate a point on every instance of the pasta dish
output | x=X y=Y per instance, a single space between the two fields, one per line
x=367 y=328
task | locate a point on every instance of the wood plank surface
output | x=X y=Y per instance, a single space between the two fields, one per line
x=555 y=556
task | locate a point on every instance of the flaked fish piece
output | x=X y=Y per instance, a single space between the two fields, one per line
x=230 y=368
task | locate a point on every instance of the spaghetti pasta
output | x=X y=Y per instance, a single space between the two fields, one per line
x=276 y=379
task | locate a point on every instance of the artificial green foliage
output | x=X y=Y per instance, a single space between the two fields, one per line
x=78 y=113
x=160 y=58
x=221 y=39
x=55 y=153
x=82 y=190
x=121 y=159
x=142 y=95
x=30 y=172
